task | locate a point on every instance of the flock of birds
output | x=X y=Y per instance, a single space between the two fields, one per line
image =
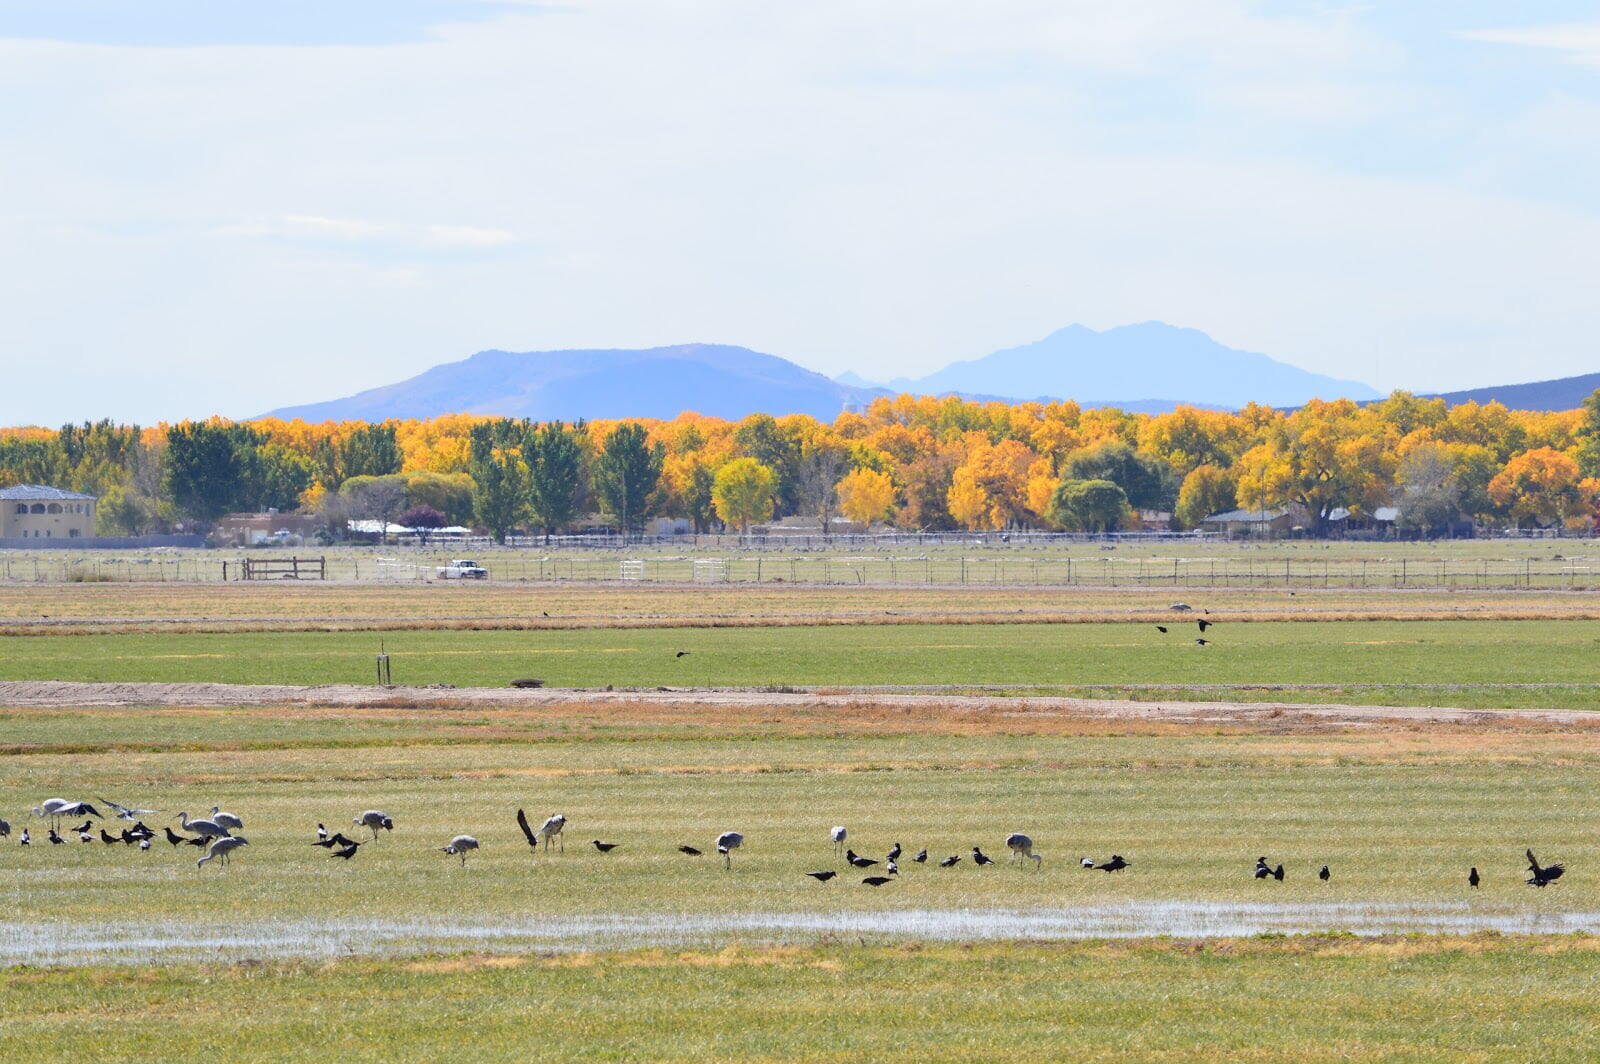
x=218 y=835
x=1201 y=622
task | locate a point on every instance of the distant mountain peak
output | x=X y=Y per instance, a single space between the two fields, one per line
x=1141 y=361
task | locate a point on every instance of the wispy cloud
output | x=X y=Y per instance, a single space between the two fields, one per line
x=321 y=228
x=1580 y=41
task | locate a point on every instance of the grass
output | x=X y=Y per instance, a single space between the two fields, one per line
x=1191 y=806
x=1425 y=999
x=1481 y=660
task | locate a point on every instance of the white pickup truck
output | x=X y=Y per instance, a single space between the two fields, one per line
x=462 y=569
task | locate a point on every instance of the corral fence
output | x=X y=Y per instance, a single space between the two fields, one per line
x=1018 y=569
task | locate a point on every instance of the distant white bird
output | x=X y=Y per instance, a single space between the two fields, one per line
x=56 y=808
x=222 y=847
x=206 y=829
x=727 y=842
x=374 y=819
x=122 y=812
x=551 y=829
x=227 y=820
x=838 y=835
x=461 y=845
x=1021 y=846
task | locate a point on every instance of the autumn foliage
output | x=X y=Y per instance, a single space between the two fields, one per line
x=915 y=462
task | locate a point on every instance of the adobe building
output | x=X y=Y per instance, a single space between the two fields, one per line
x=29 y=511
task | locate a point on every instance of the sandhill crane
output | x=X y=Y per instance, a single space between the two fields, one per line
x=374 y=819
x=838 y=835
x=1020 y=845
x=122 y=812
x=551 y=829
x=222 y=847
x=57 y=808
x=227 y=820
x=460 y=846
x=727 y=842
x=206 y=829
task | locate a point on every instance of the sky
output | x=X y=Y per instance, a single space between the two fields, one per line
x=223 y=206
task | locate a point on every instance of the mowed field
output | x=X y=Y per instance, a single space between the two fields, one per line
x=402 y=954
x=1465 y=663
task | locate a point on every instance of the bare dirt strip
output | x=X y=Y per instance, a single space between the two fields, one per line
x=56 y=693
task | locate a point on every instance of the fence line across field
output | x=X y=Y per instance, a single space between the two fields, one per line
x=1020 y=569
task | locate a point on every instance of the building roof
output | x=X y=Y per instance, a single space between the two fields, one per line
x=1386 y=513
x=1247 y=516
x=40 y=493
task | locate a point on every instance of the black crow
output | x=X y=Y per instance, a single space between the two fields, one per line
x=1263 y=870
x=1277 y=873
x=877 y=881
x=822 y=877
x=680 y=653
x=894 y=853
x=948 y=861
x=1161 y=628
x=690 y=850
x=1542 y=877
x=1324 y=875
x=522 y=822
x=348 y=852
x=1204 y=624
x=1202 y=642
x=857 y=861
x=605 y=847
x=173 y=837
x=980 y=858
x=1472 y=877
x=921 y=857
x=1114 y=865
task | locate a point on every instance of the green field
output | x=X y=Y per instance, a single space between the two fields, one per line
x=1331 y=1000
x=519 y=956
x=1484 y=662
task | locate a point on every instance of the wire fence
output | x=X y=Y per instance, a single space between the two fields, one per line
x=945 y=569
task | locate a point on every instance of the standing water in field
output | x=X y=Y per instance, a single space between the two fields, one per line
x=55 y=942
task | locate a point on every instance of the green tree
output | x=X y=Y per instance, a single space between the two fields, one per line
x=555 y=474
x=744 y=492
x=626 y=474
x=499 y=476
x=371 y=451
x=120 y=513
x=206 y=467
x=1588 y=454
x=449 y=493
x=776 y=445
x=1147 y=482
x=1089 y=505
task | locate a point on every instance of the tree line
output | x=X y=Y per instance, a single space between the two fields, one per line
x=914 y=462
